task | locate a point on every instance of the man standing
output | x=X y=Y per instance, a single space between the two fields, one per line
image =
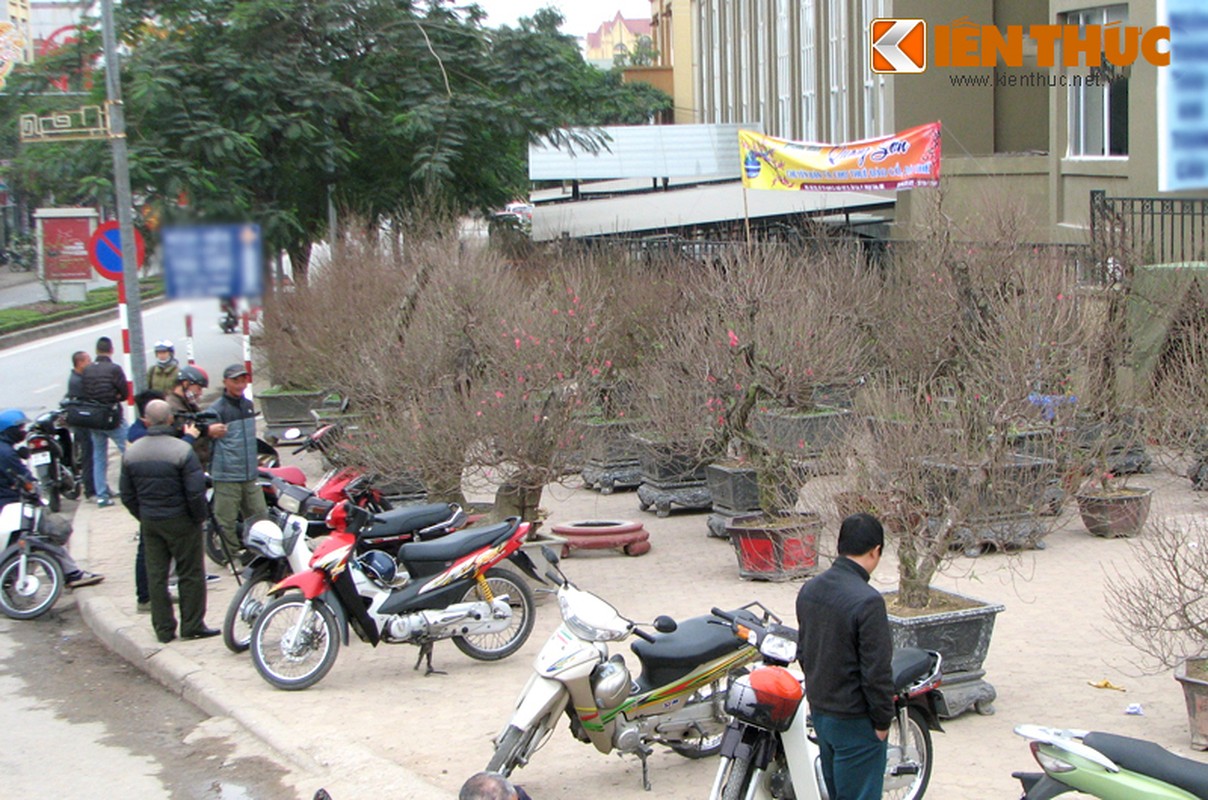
x=164 y=488
x=161 y=376
x=105 y=382
x=81 y=438
x=184 y=399
x=234 y=464
x=845 y=650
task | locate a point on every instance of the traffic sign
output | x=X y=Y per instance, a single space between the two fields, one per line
x=105 y=250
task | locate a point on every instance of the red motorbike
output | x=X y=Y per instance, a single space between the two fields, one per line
x=451 y=588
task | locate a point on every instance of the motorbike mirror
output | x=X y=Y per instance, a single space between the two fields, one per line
x=549 y=554
x=665 y=624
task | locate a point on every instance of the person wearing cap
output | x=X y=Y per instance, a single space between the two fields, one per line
x=14 y=475
x=234 y=462
x=105 y=382
x=161 y=377
x=845 y=651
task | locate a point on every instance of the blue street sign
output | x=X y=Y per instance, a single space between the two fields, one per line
x=213 y=261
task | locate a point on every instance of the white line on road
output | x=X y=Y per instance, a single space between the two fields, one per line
x=51 y=340
x=51 y=388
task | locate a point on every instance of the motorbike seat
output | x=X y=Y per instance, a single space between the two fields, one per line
x=908 y=665
x=1147 y=758
x=694 y=641
x=288 y=474
x=433 y=557
x=405 y=520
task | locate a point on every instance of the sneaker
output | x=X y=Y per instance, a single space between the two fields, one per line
x=84 y=579
x=212 y=578
x=104 y=502
x=144 y=608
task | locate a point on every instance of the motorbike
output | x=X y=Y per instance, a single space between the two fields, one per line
x=452 y=589
x=31 y=577
x=676 y=700
x=51 y=459
x=769 y=749
x=1107 y=766
x=282 y=544
x=229 y=321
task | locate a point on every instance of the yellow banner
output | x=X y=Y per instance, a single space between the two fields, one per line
x=902 y=161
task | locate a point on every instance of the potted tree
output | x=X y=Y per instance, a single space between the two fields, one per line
x=1160 y=608
x=750 y=339
x=964 y=334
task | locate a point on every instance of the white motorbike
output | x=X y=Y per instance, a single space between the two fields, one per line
x=769 y=751
x=675 y=701
x=31 y=553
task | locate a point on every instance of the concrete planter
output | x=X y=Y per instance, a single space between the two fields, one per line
x=805 y=433
x=1195 y=692
x=962 y=637
x=733 y=487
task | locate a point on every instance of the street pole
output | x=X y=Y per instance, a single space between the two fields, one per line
x=132 y=326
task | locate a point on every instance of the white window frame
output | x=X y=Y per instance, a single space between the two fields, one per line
x=1079 y=128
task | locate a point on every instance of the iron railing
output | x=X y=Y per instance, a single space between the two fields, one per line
x=1148 y=230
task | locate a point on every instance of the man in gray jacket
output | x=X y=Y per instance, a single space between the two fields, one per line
x=234 y=463
x=164 y=487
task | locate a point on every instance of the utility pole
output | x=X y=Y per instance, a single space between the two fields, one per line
x=133 y=312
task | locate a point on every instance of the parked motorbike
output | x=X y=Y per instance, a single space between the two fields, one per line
x=1107 y=766
x=453 y=589
x=282 y=544
x=31 y=577
x=676 y=700
x=769 y=749
x=51 y=459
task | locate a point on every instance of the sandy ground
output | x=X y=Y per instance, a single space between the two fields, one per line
x=1050 y=642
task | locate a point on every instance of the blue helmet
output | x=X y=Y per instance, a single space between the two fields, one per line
x=11 y=418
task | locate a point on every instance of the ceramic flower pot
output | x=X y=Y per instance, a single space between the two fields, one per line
x=1121 y=513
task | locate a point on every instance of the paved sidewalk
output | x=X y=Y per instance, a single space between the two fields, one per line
x=375 y=728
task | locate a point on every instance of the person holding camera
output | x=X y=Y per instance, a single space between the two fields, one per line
x=185 y=402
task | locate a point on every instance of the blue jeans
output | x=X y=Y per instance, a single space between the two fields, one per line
x=100 y=456
x=853 y=758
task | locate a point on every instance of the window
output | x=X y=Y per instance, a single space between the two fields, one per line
x=1098 y=96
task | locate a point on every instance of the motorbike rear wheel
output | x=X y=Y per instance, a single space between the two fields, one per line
x=34 y=596
x=702 y=745
x=246 y=607
x=911 y=745
x=496 y=646
x=291 y=657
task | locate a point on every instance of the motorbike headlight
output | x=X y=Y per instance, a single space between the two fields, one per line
x=589 y=617
x=779 y=648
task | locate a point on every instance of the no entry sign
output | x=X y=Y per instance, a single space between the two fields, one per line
x=105 y=250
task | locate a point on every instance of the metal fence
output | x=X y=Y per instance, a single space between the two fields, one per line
x=1148 y=230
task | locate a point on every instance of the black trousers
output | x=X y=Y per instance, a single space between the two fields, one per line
x=176 y=539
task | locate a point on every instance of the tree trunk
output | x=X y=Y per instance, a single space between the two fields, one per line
x=514 y=499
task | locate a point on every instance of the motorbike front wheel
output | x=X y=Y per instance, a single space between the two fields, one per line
x=245 y=608
x=512 y=745
x=496 y=646
x=911 y=747
x=34 y=595
x=736 y=777
x=701 y=743
x=295 y=642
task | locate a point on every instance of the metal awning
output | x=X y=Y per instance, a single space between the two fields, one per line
x=638 y=212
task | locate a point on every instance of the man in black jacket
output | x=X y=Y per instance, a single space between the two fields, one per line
x=164 y=487
x=81 y=438
x=845 y=651
x=105 y=382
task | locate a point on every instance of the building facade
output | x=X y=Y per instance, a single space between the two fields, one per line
x=618 y=35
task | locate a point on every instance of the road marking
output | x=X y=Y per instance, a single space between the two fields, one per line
x=50 y=388
x=62 y=337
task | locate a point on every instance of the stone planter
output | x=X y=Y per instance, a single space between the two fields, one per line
x=805 y=433
x=612 y=456
x=1006 y=499
x=893 y=514
x=733 y=487
x=671 y=475
x=288 y=408
x=776 y=549
x=1193 y=675
x=962 y=637
x=631 y=538
x=1121 y=513
x=1121 y=444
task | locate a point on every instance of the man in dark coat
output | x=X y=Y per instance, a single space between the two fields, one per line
x=105 y=382
x=846 y=651
x=164 y=487
x=81 y=438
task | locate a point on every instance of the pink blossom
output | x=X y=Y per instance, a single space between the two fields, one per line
x=499 y=395
x=733 y=339
x=801 y=444
x=517 y=344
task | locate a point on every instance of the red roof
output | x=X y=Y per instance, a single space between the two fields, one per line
x=638 y=27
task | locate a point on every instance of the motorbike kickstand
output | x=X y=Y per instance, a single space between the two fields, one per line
x=643 y=753
x=425 y=651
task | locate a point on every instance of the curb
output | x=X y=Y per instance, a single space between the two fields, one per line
x=132 y=640
x=16 y=338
